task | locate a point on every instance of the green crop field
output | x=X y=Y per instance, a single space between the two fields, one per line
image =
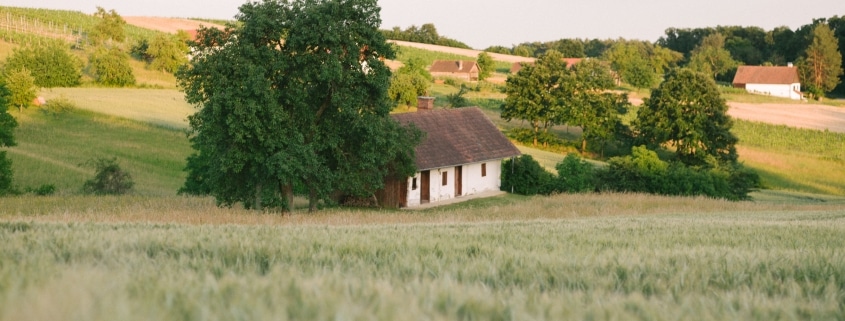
x=596 y=257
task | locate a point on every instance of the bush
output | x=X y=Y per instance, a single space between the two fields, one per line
x=109 y=178
x=523 y=175
x=110 y=67
x=644 y=172
x=574 y=175
x=43 y=190
x=52 y=65
x=58 y=105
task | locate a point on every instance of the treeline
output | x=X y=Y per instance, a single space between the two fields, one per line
x=426 y=33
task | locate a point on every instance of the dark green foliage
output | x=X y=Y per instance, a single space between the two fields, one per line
x=821 y=65
x=110 y=67
x=297 y=96
x=109 y=178
x=7 y=138
x=574 y=175
x=5 y=174
x=427 y=33
x=644 y=172
x=523 y=175
x=52 y=64
x=711 y=57
x=457 y=99
x=686 y=112
x=43 y=190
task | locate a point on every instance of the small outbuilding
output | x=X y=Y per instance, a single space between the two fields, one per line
x=460 y=69
x=461 y=154
x=775 y=81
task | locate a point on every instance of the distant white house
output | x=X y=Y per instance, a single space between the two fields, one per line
x=460 y=155
x=772 y=81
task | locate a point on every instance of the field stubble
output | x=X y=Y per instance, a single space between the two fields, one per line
x=604 y=257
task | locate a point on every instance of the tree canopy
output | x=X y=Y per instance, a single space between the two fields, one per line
x=486 y=65
x=294 y=100
x=687 y=113
x=52 y=65
x=710 y=57
x=110 y=67
x=821 y=64
x=21 y=86
x=111 y=27
x=409 y=82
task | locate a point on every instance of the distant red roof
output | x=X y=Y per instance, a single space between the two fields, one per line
x=457 y=136
x=765 y=75
x=453 y=66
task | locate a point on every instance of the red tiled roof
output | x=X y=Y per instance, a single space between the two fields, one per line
x=457 y=136
x=464 y=66
x=765 y=75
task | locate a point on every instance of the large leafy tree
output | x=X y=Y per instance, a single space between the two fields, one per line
x=534 y=94
x=711 y=57
x=588 y=103
x=7 y=138
x=630 y=59
x=294 y=98
x=821 y=64
x=168 y=52
x=687 y=113
x=52 y=65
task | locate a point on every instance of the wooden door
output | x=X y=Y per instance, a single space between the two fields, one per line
x=458 y=180
x=425 y=190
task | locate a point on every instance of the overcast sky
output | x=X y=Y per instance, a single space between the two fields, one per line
x=483 y=23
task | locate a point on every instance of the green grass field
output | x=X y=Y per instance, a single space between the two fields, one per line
x=583 y=257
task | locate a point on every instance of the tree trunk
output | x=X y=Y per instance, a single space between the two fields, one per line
x=583 y=146
x=257 y=204
x=536 y=132
x=312 y=200
x=287 y=196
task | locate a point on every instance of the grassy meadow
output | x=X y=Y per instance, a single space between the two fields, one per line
x=597 y=257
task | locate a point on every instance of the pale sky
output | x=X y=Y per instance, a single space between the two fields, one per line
x=483 y=23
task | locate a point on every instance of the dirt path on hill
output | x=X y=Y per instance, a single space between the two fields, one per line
x=169 y=25
x=462 y=52
x=806 y=115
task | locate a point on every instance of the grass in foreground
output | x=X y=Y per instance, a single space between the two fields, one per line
x=601 y=257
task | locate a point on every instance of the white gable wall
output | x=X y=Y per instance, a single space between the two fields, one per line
x=791 y=91
x=472 y=182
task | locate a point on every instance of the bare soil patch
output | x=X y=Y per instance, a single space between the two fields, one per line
x=462 y=52
x=169 y=25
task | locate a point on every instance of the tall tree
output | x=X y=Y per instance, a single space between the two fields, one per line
x=711 y=57
x=409 y=82
x=22 y=89
x=589 y=105
x=486 y=64
x=7 y=138
x=631 y=61
x=534 y=93
x=111 y=27
x=821 y=65
x=687 y=113
x=309 y=107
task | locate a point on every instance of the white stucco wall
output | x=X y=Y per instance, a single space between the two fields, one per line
x=787 y=91
x=471 y=182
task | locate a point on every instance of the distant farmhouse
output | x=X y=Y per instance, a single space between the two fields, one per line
x=461 y=69
x=772 y=81
x=460 y=155
x=517 y=66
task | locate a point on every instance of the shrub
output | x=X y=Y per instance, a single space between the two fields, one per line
x=58 y=105
x=457 y=99
x=574 y=175
x=109 y=178
x=51 y=65
x=110 y=67
x=523 y=175
x=43 y=190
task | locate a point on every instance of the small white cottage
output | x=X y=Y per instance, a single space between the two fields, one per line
x=460 y=155
x=769 y=80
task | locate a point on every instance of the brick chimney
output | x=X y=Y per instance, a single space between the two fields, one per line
x=425 y=103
